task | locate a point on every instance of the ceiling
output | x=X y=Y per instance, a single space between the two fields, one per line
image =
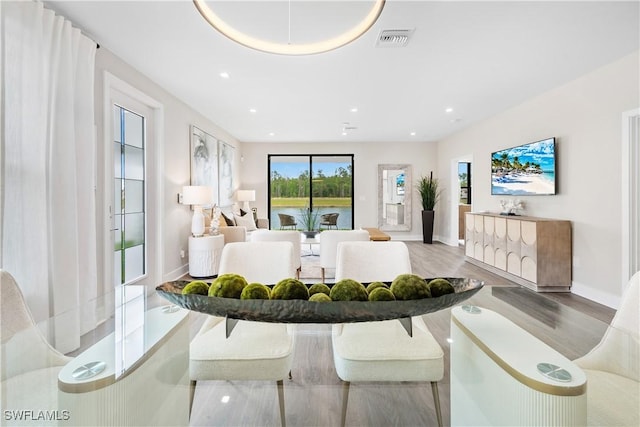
x=475 y=58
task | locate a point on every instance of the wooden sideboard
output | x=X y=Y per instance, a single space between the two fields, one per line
x=533 y=252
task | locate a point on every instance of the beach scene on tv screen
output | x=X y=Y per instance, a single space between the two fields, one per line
x=524 y=170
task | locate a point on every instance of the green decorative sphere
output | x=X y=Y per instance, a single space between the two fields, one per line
x=196 y=287
x=319 y=288
x=439 y=287
x=381 y=294
x=255 y=291
x=320 y=297
x=228 y=285
x=374 y=285
x=348 y=290
x=290 y=289
x=410 y=286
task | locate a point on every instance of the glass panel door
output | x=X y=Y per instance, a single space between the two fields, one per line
x=129 y=196
x=311 y=192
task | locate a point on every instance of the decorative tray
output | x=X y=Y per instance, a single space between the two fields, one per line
x=301 y=311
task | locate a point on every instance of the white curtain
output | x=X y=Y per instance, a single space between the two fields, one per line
x=48 y=168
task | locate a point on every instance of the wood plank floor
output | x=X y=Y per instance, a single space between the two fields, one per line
x=570 y=324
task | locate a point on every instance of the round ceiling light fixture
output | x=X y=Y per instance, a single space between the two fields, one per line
x=290 y=48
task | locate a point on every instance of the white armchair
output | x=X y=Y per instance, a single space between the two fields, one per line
x=254 y=350
x=29 y=366
x=329 y=240
x=613 y=366
x=382 y=351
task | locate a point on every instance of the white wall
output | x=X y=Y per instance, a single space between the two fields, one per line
x=585 y=117
x=420 y=155
x=175 y=166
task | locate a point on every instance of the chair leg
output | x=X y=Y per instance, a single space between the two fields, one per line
x=345 y=399
x=192 y=392
x=283 y=420
x=290 y=376
x=322 y=269
x=436 y=401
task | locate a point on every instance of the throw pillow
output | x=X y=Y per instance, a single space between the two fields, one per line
x=245 y=221
x=230 y=222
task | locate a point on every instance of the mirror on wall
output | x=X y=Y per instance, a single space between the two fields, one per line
x=394 y=197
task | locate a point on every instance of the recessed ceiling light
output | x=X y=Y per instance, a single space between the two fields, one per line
x=224 y=75
x=354 y=110
x=413 y=134
x=253 y=110
x=271 y=134
x=344 y=133
x=449 y=110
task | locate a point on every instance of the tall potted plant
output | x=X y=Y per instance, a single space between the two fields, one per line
x=429 y=195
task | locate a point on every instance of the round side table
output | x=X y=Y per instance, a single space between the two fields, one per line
x=204 y=255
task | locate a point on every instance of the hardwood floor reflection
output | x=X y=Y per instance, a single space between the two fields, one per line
x=570 y=324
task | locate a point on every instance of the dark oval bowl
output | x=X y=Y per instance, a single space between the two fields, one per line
x=301 y=311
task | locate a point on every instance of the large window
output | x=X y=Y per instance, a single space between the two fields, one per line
x=310 y=186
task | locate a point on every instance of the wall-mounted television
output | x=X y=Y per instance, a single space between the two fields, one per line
x=525 y=170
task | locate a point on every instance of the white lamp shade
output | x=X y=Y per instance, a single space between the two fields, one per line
x=197 y=195
x=246 y=195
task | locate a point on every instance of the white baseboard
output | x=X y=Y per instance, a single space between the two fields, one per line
x=595 y=295
x=176 y=274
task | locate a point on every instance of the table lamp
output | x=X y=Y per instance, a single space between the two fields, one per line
x=246 y=196
x=197 y=196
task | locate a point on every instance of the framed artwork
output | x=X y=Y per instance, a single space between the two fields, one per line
x=226 y=154
x=204 y=160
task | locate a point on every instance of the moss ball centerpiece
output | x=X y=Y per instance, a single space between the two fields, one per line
x=410 y=286
x=196 y=287
x=439 y=287
x=348 y=290
x=290 y=289
x=256 y=291
x=229 y=285
x=381 y=294
x=320 y=297
x=374 y=285
x=319 y=288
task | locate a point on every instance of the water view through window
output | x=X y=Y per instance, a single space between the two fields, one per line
x=305 y=190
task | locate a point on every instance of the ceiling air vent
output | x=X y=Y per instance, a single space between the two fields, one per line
x=394 y=38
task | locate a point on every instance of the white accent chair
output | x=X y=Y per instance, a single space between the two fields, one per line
x=329 y=240
x=282 y=236
x=254 y=350
x=29 y=366
x=613 y=366
x=382 y=351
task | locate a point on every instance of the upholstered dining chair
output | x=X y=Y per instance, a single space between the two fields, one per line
x=613 y=366
x=329 y=220
x=254 y=350
x=329 y=240
x=287 y=221
x=382 y=351
x=29 y=365
x=282 y=236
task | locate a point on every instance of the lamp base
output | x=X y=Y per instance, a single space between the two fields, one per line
x=197 y=222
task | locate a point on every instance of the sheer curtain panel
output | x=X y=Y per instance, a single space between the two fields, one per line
x=48 y=168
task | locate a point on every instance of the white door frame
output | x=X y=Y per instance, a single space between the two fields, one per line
x=630 y=186
x=155 y=184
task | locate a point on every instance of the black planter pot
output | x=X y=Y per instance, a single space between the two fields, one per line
x=310 y=234
x=427 y=226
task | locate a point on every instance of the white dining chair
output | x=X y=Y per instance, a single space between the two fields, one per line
x=282 y=236
x=329 y=240
x=254 y=350
x=382 y=351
